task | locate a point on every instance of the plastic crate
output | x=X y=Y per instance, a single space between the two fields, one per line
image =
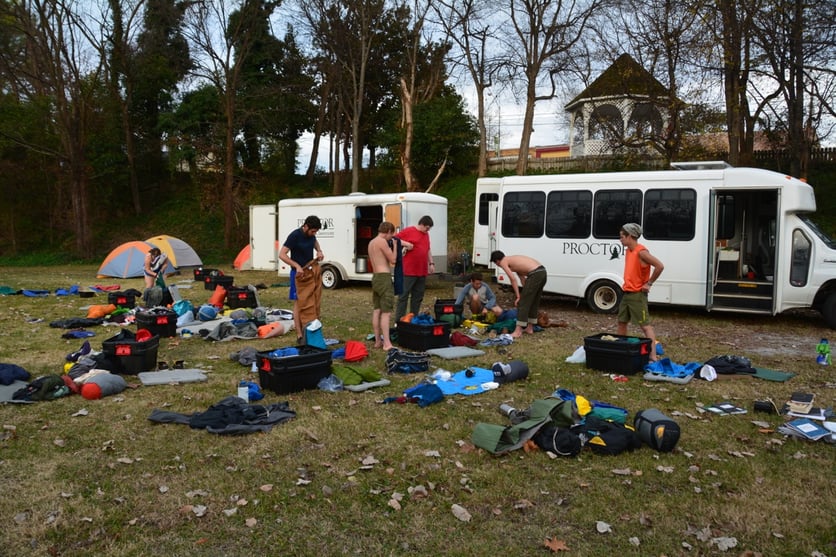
x=240 y=298
x=129 y=356
x=158 y=322
x=211 y=281
x=423 y=337
x=289 y=374
x=200 y=273
x=616 y=353
x=122 y=299
x=447 y=307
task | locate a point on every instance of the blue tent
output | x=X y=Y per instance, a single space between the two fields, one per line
x=127 y=261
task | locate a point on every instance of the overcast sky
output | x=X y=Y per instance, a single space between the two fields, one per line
x=550 y=128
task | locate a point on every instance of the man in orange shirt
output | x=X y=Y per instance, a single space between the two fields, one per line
x=638 y=280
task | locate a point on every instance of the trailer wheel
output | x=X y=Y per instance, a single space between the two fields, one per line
x=828 y=310
x=603 y=296
x=331 y=277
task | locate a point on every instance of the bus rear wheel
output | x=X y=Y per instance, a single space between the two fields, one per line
x=331 y=277
x=603 y=296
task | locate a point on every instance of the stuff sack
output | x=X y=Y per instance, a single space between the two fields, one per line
x=400 y=361
x=656 y=430
x=558 y=440
x=605 y=437
x=730 y=365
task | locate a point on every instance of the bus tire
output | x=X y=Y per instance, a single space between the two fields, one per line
x=331 y=277
x=603 y=296
x=828 y=310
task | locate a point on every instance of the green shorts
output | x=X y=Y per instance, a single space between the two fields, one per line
x=633 y=309
x=383 y=292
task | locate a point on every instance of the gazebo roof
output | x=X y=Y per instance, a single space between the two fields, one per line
x=624 y=78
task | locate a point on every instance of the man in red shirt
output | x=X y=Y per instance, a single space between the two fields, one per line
x=417 y=264
x=638 y=280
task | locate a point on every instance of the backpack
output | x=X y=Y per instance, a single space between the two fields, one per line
x=400 y=361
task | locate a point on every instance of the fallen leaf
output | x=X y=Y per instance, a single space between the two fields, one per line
x=251 y=522
x=369 y=460
x=555 y=545
x=266 y=487
x=394 y=504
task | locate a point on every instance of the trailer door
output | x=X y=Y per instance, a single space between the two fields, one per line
x=393 y=213
x=264 y=252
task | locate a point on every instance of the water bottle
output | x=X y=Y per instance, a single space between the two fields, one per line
x=507 y=410
x=243 y=391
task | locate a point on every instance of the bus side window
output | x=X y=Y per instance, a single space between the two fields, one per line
x=613 y=209
x=670 y=214
x=800 y=263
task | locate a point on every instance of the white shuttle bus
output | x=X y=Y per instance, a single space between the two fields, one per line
x=731 y=239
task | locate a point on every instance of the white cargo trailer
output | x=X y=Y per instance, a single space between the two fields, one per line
x=349 y=222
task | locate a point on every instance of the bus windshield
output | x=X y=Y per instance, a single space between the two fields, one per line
x=818 y=231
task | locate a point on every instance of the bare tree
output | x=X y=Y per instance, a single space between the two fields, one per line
x=798 y=42
x=543 y=35
x=469 y=25
x=347 y=31
x=422 y=76
x=665 y=37
x=58 y=64
x=220 y=33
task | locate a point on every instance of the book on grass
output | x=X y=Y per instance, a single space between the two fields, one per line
x=724 y=408
x=801 y=402
x=808 y=428
x=815 y=413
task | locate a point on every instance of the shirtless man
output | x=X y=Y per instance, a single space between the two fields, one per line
x=533 y=276
x=382 y=257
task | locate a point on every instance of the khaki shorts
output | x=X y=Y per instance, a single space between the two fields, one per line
x=633 y=309
x=383 y=292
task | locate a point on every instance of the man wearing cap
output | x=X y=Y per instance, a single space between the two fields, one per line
x=638 y=280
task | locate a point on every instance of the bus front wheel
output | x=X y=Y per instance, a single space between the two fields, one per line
x=331 y=277
x=603 y=296
x=828 y=310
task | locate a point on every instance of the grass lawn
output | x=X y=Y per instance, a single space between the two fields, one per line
x=353 y=476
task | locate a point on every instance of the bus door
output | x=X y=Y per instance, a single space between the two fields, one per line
x=742 y=250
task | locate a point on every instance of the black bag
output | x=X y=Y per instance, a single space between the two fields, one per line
x=558 y=440
x=656 y=430
x=605 y=437
x=400 y=361
x=730 y=365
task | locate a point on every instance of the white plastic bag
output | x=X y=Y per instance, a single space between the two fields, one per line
x=578 y=357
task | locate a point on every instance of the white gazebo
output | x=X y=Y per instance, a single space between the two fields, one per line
x=624 y=109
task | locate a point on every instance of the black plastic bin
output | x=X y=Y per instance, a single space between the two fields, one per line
x=292 y=373
x=423 y=337
x=158 y=321
x=240 y=298
x=122 y=299
x=616 y=353
x=130 y=357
